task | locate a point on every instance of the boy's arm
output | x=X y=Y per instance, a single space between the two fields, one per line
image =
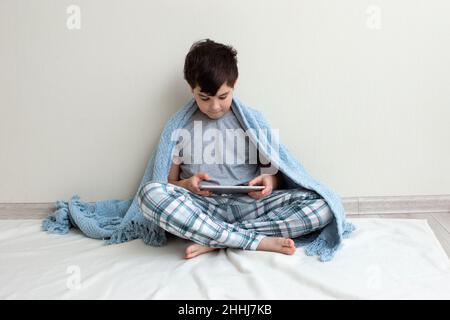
x=174 y=175
x=190 y=184
x=277 y=180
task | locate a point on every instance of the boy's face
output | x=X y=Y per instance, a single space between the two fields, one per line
x=214 y=106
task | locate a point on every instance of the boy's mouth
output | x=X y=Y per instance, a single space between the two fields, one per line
x=214 y=114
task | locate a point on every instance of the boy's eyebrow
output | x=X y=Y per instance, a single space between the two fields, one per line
x=202 y=94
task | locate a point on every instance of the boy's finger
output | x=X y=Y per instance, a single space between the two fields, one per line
x=203 y=176
x=204 y=193
x=254 y=181
x=255 y=194
x=195 y=185
x=260 y=194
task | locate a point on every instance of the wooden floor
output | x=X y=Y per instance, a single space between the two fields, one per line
x=439 y=223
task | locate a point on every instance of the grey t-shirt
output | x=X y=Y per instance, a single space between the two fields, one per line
x=219 y=147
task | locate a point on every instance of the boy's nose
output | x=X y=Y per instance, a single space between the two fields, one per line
x=215 y=107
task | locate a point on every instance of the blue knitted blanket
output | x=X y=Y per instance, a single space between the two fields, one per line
x=117 y=221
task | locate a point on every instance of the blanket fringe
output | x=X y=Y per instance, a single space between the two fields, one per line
x=58 y=222
x=321 y=248
x=151 y=236
x=348 y=229
x=87 y=209
x=324 y=249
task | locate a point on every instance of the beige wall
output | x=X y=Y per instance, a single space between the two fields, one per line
x=359 y=89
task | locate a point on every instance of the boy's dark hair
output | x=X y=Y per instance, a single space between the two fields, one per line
x=209 y=64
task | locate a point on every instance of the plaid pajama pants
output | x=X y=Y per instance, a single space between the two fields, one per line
x=233 y=221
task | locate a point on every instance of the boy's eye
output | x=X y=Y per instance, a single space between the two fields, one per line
x=206 y=99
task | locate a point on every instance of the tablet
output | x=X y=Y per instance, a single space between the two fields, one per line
x=230 y=189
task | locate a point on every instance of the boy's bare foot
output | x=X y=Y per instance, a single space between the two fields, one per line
x=277 y=244
x=196 y=249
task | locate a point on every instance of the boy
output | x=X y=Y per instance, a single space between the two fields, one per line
x=264 y=220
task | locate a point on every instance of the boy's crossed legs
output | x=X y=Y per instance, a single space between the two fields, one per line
x=238 y=221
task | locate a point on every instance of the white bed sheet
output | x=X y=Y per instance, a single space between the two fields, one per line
x=383 y=259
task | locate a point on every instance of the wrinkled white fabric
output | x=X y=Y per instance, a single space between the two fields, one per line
x=384 y=259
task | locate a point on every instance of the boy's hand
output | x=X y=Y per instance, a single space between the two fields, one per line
x=267 y=180
x=192 y=184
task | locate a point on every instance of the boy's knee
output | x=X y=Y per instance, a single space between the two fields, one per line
x=157 y=191
x=147 y=189
x=150 y=187
x=325 y=212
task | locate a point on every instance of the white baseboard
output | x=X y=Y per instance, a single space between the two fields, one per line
x=397 y=204
x=352 y=205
